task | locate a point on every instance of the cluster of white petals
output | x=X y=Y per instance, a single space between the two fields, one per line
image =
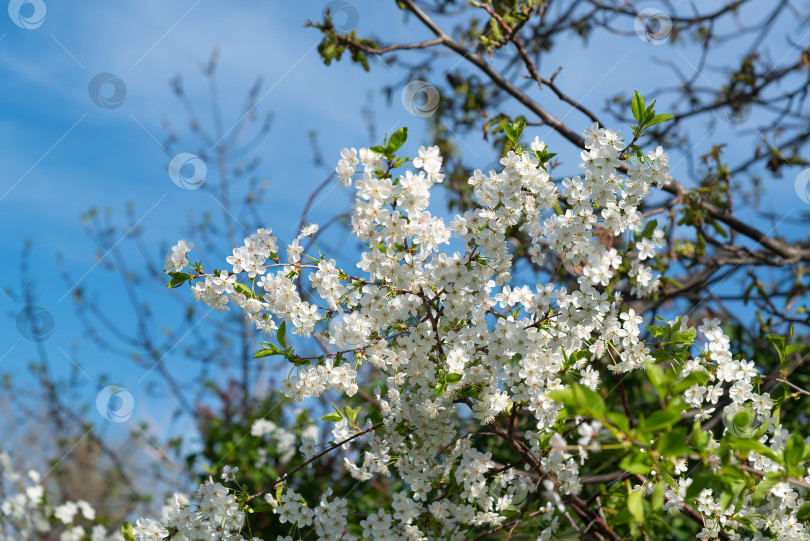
x=28 y=512
x=433 y=317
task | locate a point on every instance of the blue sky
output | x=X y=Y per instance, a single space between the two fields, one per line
x=63 y=154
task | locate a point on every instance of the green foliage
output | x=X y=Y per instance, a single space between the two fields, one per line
x=635 y=504
x=793 y=454
x=390 y=146
x=784 y=349
x=226 y=439
x=648 y=230
x=178 y=279
x=514 y=130
x=335 y=43
x=659 y=420
x=646 y=117
x=126 y=531
x=638 y=462
x=580 y=400
x=281 y=334
x=673 y=443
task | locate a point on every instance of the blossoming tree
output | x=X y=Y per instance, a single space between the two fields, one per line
x=494 y=406
x=472 y=399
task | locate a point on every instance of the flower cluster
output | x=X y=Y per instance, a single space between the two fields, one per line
x=28 y=513
x=216 y=514
x=176 y=260
x=456 y=348
x=283 y=440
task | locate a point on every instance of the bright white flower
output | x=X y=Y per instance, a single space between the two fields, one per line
x=228 y=473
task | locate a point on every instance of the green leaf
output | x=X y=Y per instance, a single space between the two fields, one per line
x=747 y=445
x=544 y=156
x=778 y=343
x=518 y=126
x=244 y=290
x=701 y=377
x=510 y=132
x=738 y=489
x=783 y=347
x=332 y=417
x=453 y=378
x=683 y=337
x=764 y=487
x=658 y=119
x=126 y=531
x=619 y=420
x=178 y=279
x=804 y=512
x=580 y=400
x=658 y=377
x=637 y=462
x=717 y=227
x=495 y=29
x=794 y=451
x=637 y=105
x=661 y=419
x=673 y=444
x=657 y=501
x=657 y=332
x=743 y=424
x=280 y=334
x=351 y=413
x=647 y=233
x=635 y=504
x=699 y=438
x=514 y=130
x=398 y=139
x=649 y=113
x=793 y=348
x=268 y=352
x=743 y=418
